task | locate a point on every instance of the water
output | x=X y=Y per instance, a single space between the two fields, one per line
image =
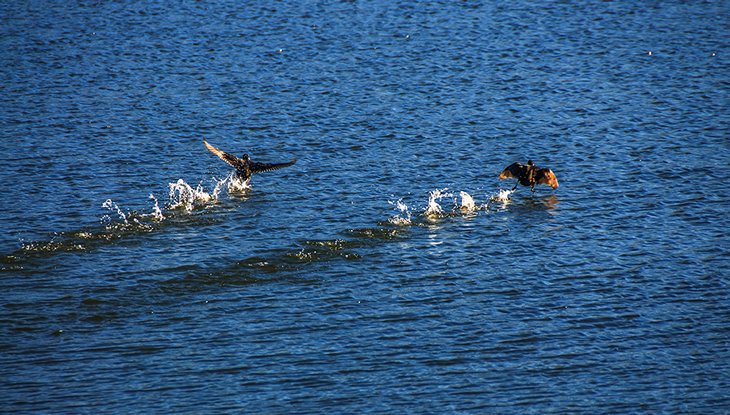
x=389 y=270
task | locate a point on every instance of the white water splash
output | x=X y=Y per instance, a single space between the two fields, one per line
x=502 y=196
x=398 y=219
x=235 y=184
x=157 y=213
x=109 y=204
x=219 y=185
x=182 y=194
x=433 y=208
x=467 y=202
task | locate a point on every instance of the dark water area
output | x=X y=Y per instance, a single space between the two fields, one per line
x=389 y=270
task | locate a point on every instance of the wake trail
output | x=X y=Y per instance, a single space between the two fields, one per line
x=118 y=222
x=462 y=204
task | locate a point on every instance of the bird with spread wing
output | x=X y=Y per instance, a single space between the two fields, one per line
x=245 y=168
x=530 y=175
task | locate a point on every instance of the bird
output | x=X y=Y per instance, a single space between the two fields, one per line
x=245 y=168
x=530 y=175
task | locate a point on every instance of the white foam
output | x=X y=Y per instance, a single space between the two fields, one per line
x=433 y=208
x=502 y=196
x=398 y=219
x=157 y=214
x=462 y=204
x=109 y=204
x=182 y=194
x=219 y=185
x=235 y=184
x=467 y=202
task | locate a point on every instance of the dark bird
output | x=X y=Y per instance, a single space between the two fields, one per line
x=244 y=166
x=530 y=175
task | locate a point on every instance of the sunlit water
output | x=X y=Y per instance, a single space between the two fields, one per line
x=389 y=270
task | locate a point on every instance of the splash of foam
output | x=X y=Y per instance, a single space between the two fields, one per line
x=235 y=184
x=467 y=203
x=182 y=194
x=117 y=222
x=502 y=196
x=219 y=185
x=232 y=182
x=433 y=208
x=398 y=219
x=157 y=212
x=129 y=220
x=109 y=204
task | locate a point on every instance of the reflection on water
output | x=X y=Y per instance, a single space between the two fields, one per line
x=550 y=202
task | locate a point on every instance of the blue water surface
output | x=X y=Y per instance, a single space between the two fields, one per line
x=389 y=270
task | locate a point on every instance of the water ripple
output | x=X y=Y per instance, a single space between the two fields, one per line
x=387 y=270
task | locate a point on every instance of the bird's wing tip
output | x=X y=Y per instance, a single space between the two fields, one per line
x=512 y=171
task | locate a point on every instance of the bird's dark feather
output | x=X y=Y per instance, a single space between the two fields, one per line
x=530 y=175
x=245 y=167
x=547 y=177
x=228 y=158
x=264 y=167
x=514 y=170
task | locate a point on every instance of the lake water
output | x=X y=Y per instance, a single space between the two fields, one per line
x=389 y=270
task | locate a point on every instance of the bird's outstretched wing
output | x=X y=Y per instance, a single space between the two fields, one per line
x=546 y=176
x=230 y=159
x=264 y=167
x=514 y=170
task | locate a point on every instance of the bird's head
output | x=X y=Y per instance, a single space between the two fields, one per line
x=530 y=163
x=245 y=157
